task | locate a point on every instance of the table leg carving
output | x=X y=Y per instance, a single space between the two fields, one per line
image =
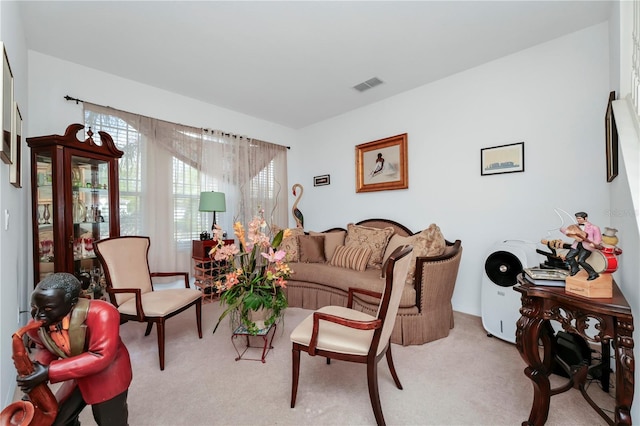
x=529 y=330
x=625 y=363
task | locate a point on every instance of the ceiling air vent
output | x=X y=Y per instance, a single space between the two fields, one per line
x=372 y=82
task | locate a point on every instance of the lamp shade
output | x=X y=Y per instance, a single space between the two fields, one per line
x=212 y=202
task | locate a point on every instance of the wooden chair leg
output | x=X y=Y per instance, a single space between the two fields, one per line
x=199 y=317
x=295 y=374
x=148 y=330
x=374 y=396
x=160 y=327
x=392 y=367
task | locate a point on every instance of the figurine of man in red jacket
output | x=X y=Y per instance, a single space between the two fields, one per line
x=79 y=344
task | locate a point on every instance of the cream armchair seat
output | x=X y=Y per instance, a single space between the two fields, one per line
x=346 y=334
x=130 y=287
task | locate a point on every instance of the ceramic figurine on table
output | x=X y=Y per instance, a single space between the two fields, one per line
x=587 y=238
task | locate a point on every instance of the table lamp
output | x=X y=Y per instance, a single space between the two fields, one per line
x=212 y=202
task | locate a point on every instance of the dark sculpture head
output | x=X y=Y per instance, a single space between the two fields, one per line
x=54 y=297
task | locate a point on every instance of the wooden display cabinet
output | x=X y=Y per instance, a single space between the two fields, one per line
x=75 y=202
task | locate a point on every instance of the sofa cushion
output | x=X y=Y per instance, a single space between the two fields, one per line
x=311 y=248
x=355 y=258
x=374 y=238
x=332 y=240
x=290 y=245
x=341 y=278
x=429 y=242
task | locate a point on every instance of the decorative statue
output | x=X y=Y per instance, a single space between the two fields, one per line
x=587 y=238
x=297 y=214
x=79 y=344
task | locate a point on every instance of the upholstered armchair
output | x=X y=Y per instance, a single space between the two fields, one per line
x=130 y=287
x=343 y=333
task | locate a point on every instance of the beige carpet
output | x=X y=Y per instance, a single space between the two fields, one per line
x=464 y=379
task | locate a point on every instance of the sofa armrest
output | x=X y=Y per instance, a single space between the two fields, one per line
x=435 y=277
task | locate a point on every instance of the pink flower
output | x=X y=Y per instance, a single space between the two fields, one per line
x=274 y=256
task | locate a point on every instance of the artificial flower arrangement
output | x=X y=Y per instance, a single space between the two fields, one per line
x=256 y=275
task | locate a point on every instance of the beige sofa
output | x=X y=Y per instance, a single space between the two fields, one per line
x=425 y=312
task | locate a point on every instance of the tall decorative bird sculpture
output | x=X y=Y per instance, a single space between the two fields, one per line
x=297 y=214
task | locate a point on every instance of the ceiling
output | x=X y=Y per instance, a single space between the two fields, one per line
x=294 y=63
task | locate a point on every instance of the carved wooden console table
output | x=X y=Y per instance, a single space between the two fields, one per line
x=613 y=322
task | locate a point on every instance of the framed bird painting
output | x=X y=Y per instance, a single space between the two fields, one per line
x=382 y=165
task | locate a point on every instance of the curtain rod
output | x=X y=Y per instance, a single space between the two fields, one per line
x=70 y=98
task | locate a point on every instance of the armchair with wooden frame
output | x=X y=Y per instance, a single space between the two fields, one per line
x=125 y=261
x=346 y=334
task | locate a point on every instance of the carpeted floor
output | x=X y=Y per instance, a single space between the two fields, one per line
x=464 y=379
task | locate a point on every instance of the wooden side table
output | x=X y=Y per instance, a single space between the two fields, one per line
x=206 y=270
x=613 y=321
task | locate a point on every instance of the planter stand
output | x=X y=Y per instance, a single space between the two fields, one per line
x=263 y=334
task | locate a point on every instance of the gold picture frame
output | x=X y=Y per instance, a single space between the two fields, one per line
x=382 y=165
x=611 y=138
x=6 y=107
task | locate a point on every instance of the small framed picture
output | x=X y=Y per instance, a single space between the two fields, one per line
x=321 y=180
x=502 y=159
x=382 y=165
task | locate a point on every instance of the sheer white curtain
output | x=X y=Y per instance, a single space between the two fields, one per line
x=166 y=166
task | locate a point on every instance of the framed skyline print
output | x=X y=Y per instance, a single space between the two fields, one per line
x=502 y=159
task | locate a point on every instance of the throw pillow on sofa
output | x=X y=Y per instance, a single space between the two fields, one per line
x=355 y=258
x=429 y=242
x=332 y=240
x=311 y=248
x=290 y=245
x=375 y=239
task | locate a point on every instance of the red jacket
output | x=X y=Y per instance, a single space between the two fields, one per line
x=104 y=370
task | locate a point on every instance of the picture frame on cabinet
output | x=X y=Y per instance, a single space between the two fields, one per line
x=382 y=165
x=6 y=107
x=611 y=138
x=502 y=159
x=15 y=177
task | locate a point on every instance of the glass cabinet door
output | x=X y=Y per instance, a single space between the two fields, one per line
x=90 y=216
x=45 y=239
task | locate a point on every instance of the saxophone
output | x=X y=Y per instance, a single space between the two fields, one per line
x=41 y=408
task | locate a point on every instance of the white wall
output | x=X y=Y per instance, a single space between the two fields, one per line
x=14 y=243
x=553 y=97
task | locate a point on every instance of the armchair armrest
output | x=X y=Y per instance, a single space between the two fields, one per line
x=355 y=324
x=185 y=275
x=137 y=293
x=353 y=290
x=435 y=276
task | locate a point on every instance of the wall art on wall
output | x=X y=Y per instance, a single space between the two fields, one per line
x=502 y=159
x=382 y=165
x=611 y=137
x=321 y=180
x=6 y=107
x=16 y=148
